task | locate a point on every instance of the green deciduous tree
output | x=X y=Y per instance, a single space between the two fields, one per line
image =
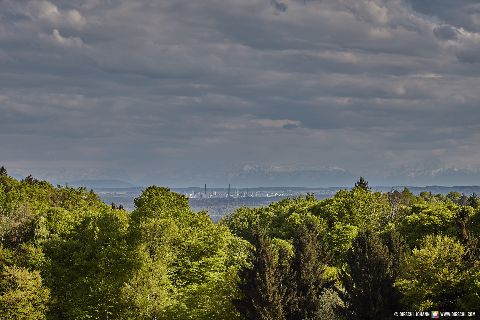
x=429 y=218
x=188 y=264
x=433 y=277
x=64 y=254
x=88 y=268
x=22 y=294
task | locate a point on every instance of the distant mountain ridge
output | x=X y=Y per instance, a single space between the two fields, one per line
x=449 y=176
x=101 y=183
x=256 y=175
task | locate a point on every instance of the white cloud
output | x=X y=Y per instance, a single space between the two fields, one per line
x=49 y=12
x=282 y=123
x=66 y=41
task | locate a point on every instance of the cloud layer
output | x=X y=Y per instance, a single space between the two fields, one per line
x=186 y=92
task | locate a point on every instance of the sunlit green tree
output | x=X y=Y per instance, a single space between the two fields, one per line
x=433 y=278
x=22 y=294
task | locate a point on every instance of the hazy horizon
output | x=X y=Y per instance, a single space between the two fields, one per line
x=99 y=184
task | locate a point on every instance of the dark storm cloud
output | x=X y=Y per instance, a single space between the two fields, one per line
x=189 y=91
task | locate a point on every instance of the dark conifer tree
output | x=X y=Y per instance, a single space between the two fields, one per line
x=397 y=248
x=465 y=235
x=263 y=289
x=362 y=184
x=368 y=284
x=3 y=171
x=463 y=200
x=473 y=201
x=30 y=180
x=308 y=273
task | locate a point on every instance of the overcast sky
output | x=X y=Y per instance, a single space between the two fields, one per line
x=191 y=91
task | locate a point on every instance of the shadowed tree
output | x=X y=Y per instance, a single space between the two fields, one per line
x=465 y=234
x=362 y=184
x=263 y=288
x=369 y=291
x=397 y=248
x=473 y=201
x=3 y=171
x=308 y=271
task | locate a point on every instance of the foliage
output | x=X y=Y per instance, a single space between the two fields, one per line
x=329 y=304
x=263 y=287
x=429 y=218
x=88 y=268
x=368 y=282
x=362 y=184
x=99 y=262
x=309 y=272
x=22 y=294
x=433 y=277
x=64 y=254
x=188 y=264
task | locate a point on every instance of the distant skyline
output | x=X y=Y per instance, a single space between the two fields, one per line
x=248 y=92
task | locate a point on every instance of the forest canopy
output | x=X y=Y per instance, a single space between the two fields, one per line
x=64 y=254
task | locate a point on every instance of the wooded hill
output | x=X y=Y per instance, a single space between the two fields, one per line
x=360 y=254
